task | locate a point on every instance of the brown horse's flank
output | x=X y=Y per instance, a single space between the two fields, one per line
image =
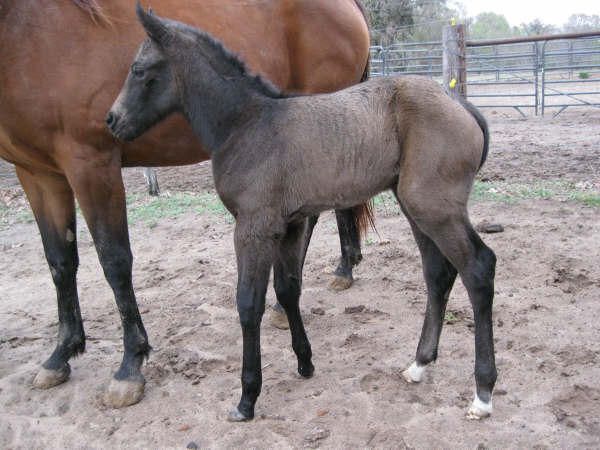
x=278 y=160
x=64 y=62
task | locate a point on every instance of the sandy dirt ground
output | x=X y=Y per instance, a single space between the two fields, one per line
x=546 y=310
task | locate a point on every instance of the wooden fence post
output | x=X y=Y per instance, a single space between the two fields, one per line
x=455 y=61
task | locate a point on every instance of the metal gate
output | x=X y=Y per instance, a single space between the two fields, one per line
x=546 y=74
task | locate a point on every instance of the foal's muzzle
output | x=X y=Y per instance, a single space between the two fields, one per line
x=117 y=127
x=111 y=120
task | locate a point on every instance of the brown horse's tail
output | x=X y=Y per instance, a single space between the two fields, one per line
x=364 y=214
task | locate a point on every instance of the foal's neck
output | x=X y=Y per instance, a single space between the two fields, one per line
x=220 y=96
x=215 y=111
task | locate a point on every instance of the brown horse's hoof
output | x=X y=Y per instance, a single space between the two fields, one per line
x=279 y=319
x=237 y=416
x=45 y=379
x=123 y=393
x=338 y=283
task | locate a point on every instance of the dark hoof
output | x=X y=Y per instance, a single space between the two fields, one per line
x=45 y=379
x=306 y=372
x=237 y=416
x=122 y=393
x=339 y=283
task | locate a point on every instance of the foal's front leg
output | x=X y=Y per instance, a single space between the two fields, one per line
x=254 y=251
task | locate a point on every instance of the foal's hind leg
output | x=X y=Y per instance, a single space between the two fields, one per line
x=459 y=243
x=287 y=270
x=350 y=247
x=439 y=276
x=52 y=202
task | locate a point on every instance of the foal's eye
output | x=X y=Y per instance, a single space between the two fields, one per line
x=137 y=72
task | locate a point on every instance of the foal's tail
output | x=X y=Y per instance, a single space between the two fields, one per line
x=364 y=215
x=482 y=124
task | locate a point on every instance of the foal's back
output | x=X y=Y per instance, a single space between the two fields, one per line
x=334 y=150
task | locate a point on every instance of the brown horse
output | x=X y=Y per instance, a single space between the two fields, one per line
x=278 y=159
x=63 y=63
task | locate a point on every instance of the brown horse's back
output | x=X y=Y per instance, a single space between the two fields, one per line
x=64 y=66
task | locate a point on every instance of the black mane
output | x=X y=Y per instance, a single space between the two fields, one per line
x=226 y=62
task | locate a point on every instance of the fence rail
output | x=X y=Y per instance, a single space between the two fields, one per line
x=555 y=71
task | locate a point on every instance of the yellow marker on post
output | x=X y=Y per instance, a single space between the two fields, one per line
x=452 y=83
x=452 y=21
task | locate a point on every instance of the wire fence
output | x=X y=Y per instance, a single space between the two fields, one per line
x=528 y=76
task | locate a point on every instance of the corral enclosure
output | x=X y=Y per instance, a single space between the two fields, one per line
x=531 y=77
x=541 y=183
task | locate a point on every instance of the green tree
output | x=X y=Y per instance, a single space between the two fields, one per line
x=489 y=25
x=578 y=23
x=536 y=28
x=407 y=20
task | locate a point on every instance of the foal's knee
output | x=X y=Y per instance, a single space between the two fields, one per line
x=250 y=313
x=288 y=289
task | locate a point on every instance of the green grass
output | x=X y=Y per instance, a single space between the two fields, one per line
x=10 y=216
x=587 y=198
x=511 y=193
x=562 y=190
x=143 y=209
x=149 y=210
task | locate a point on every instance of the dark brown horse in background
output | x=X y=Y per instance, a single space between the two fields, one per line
x=63 y=63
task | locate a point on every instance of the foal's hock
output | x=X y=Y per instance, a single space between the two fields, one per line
x=278 y=159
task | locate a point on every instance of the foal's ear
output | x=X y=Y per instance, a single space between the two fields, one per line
x=154 y=26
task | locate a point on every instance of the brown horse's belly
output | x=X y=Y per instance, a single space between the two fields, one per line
x=23 y=155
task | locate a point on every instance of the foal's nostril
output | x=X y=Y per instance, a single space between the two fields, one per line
x=111 y=119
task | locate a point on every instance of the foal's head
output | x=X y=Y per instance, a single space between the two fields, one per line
x=150 y=91
x=173 y=56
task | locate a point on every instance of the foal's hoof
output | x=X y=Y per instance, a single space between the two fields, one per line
x=339 y=283
x=479 y=410
x=237 y=416
x=279 y=319
x=46 y=379
x=123 y=393
x=306 y=371
x=414 y=374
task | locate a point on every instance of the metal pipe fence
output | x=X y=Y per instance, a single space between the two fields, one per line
x=552 y=73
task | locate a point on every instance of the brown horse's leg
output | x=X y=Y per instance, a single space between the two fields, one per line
x=439 y=276
x=98 y=186
x=51 y=200
x=350 y=246
x=287 y=280
x=254 y=250
x=461 y=245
